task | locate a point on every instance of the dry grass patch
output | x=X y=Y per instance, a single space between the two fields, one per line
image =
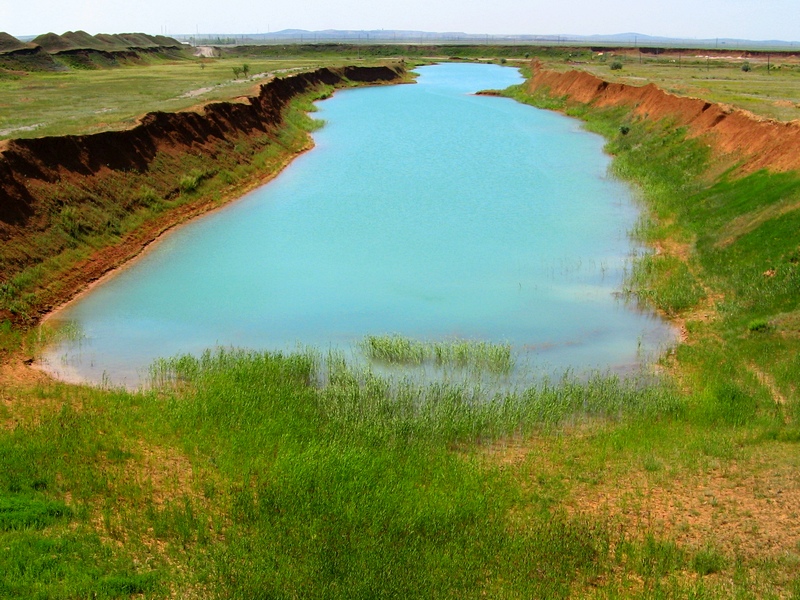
x=748 y=507
x=27 y=395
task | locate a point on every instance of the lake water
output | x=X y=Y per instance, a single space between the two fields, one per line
x=423 y=210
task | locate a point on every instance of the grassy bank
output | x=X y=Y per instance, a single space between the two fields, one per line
x=727 y=260
x=237 y=478
x=240 y=476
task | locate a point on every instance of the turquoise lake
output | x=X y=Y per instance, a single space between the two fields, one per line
x=423 y=210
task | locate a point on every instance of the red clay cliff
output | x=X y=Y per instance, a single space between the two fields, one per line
x=760 y=143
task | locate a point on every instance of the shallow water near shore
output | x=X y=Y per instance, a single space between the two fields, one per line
x=423 y=210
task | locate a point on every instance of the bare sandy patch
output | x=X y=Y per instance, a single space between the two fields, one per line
x=748 y=508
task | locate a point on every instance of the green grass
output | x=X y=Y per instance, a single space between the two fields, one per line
x=664 y=282
x=27 y=513
x=343 y=491
x=89 y=101
x=239 y=474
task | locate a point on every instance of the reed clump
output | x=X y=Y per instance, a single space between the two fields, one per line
x=466 y=354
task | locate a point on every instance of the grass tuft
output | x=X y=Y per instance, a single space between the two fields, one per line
x=19 y=512
x=482 y=356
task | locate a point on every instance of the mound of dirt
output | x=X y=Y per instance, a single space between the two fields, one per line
x=78 y=49
x=113 y=41
x=143 y=41
x=80 y=40
x=8 y=43
x=28 y=59
x=760 y=143
x=52 y=42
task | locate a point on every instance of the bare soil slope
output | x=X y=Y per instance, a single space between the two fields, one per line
x=760 y=143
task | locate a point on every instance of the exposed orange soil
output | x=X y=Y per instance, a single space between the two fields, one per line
x=760 y=143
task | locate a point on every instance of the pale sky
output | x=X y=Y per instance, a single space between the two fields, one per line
x=746 y=19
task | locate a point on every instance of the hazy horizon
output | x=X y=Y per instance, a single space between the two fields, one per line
x=685 y=19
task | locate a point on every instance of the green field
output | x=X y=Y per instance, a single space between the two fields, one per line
x=246 y=475
x=84 y=101
x=772 y=92
x=87 y=101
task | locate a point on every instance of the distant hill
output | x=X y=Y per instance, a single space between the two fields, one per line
x=9 y=43
x=400 y=36
x=80 y=40
x=51 y=51
x=51 y=42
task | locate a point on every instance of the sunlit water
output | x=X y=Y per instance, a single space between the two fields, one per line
x=423 y=210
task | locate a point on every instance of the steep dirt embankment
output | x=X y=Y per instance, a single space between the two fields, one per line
x=60 y=194
x=51 y=158
x=760 y=143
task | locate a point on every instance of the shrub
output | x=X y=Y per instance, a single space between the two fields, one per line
x=72 y=223
x=189 y=183
x=616 y=65
x=746 y=67
x=148 y=196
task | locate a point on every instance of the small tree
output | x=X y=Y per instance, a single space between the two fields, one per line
x=246 y=70
x=746 y=67
x=237 y=71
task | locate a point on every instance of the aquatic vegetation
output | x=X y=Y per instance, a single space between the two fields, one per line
x=397 y=349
